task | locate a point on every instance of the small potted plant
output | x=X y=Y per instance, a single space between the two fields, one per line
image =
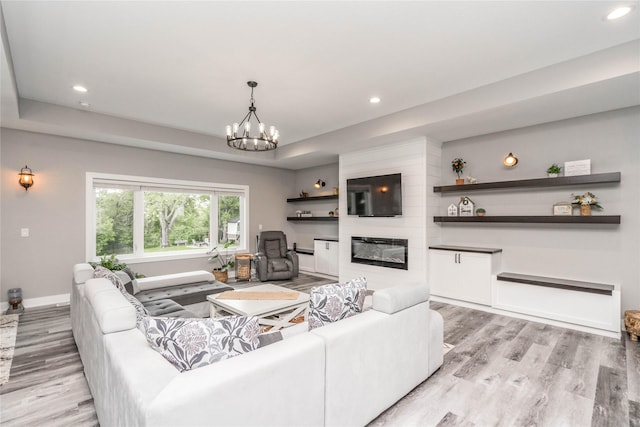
x=480 y=211
x=225 y=261
x=553 y=171
x=586 y=201
x=457 y=165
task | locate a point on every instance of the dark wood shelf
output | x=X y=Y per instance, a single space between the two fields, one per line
x=552 y=282
x=313 y=198
x=312 y=218
x=599 y=178
x=594 y=219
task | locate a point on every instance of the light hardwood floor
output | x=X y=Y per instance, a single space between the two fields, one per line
x=502 y=371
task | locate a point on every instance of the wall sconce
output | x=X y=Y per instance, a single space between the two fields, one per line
x=510 y=160
x=26 y=178
x=319 y=183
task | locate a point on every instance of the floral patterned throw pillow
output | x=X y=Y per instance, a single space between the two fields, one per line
x=141 y=311
x=192 y=343
x=330 y=303
x=108 y=274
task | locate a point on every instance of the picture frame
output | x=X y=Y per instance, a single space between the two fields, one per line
x=562 y=209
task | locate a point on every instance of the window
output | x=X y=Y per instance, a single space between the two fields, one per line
x=135 y=217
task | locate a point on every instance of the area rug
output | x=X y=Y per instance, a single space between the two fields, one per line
x=8 y=331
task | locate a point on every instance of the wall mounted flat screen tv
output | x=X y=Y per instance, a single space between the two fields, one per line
x=375 y=195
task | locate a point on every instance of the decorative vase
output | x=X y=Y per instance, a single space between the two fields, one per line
x=459 y=181
x=585 y=210
x=221 y=276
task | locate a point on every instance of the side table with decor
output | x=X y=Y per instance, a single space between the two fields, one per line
x=632 y=323
x=243 y=267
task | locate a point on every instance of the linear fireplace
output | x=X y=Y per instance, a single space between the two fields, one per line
x=392 y=253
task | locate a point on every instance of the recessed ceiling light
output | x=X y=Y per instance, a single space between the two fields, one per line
x=80 y=88
x=374 y=100
x=84 y=104
x=619 y=12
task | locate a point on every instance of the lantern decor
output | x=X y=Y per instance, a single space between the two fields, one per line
x=26 y=177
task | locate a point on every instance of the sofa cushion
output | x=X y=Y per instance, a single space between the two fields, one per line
x=168 y=308
x=392 y=300
x=192 y=343
x=175 y=279
x=272 y=248
x=191 y=293
x=330 y=303
x=280 y=264
x=108 y=274
x=110 y=308
x=82 y=272
x=270 y=337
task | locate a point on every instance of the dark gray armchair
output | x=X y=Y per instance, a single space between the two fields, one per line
x=273 y=260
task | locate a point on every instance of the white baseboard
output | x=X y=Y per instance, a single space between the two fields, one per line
x=552 y=322
x=62 y=299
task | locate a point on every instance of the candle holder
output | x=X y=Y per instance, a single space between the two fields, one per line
x=15 y=301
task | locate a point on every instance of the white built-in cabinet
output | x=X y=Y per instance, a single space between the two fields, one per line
x=463 y=273
x=325 y=253
x=306 y=262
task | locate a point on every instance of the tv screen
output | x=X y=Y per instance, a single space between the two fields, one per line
x=375 y=195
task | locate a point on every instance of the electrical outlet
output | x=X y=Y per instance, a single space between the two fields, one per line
x=259 y=227
x=24 y=232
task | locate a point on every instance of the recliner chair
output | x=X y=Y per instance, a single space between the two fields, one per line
x=274 y=261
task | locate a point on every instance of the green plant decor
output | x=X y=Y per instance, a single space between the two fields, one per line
x=480 y=210
x=110 y=262
x=225 y=261
x=587 y=198
x=457 y=165
x=554 y=168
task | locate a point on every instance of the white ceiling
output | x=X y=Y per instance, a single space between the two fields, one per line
x=180 y=68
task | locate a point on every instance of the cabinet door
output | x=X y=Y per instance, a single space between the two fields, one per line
x=464 y=276
x=326 y=257
x=332 y=256
x=474 y=277
x=442 y=267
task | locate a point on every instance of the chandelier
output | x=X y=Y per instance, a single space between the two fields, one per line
x=239 y=135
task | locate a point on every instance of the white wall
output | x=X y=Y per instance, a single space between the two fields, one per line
x=594 y=253
x=408 y=158
x=54 y=208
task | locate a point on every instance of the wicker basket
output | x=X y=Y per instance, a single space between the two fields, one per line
x=221 y=276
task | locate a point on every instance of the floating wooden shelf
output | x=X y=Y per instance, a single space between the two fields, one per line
x=551 y=282
x=313 y=198
x=312 y=218
x=595 y=219
x=599 y=178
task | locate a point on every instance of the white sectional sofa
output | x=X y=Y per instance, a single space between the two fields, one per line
x=342 y=374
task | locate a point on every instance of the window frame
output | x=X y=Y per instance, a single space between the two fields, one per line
x=139 y=184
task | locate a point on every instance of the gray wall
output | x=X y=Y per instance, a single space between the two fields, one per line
x=303 y=233
x=54 y=208
x=595 y=253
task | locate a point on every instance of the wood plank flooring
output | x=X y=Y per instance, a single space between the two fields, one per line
x=511 y=372
x=502 y=372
